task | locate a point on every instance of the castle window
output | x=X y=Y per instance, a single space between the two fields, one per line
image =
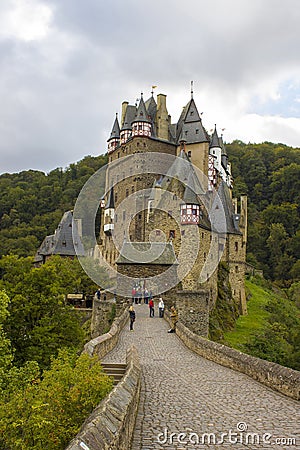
x=118 y=154
x=197 y=131
x=127 y=192
x=221 y=247
x=116 y=218
x=157 y=232
x=192 y=113
x=137 y=144
x=140 y=127
x=202 y=235
x=236 y=269
x=64 y=244
x=236 y=245
x=204 y=256
x=171 y=234
x=182 y=232
x=124 y=215
x=132 y=189
x=189 y=154
x=174 y=197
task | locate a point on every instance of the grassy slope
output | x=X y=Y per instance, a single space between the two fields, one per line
x=254 y=320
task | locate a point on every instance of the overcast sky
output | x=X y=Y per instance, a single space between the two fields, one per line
x=67 y=65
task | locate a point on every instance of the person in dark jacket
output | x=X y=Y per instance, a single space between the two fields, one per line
x=131 y=317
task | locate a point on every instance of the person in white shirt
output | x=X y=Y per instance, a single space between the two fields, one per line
x=161 y=307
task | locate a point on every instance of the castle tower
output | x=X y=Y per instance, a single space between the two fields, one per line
x=190 y=129
x=141 y=126
x=128 y=112
x=114 y=139
x=109 y=214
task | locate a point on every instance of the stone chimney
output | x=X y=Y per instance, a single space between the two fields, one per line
x=162 y=118
x=124 y=107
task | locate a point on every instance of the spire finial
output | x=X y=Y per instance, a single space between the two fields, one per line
x=152 y=92
x=192 y=90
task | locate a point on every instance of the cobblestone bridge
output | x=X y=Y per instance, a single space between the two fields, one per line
x=184 y=393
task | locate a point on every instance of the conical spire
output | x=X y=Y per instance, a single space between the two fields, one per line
x=115 y=132
x=110 y=201
x=141 y=114
x=129 y=117
x=190 y=122
x=215 y=142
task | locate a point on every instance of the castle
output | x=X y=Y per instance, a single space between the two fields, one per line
x=165 y=185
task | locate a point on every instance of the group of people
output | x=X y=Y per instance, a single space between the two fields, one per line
x=161 y=309
x=138 y=294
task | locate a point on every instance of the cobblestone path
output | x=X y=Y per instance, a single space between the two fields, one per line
x=185 y=393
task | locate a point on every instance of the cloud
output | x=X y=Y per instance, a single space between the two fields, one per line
x=66 y=67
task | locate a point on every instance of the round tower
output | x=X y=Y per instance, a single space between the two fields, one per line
x=114 y=140
x=141 y=126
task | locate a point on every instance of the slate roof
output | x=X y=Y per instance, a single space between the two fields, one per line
x=141 y=114
x=189 y=126
x=129 y=117
x=110 y=201
x=115 y=132
x=66 y=240
x=232 y=219
x=189 y=196
x=151 y=107
x=215 y=142
x=150 y=253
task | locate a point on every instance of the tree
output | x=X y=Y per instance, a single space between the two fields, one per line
x=46 y=413
x=40 y=322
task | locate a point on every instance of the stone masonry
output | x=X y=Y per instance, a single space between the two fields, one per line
x=185 y=393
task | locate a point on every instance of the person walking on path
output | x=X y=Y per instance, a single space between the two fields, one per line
x=161 y=307
x=174 y=319
x=151 y=307
x=131 y=317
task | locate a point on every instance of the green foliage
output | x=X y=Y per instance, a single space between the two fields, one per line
x=40 y=322
x=46 y=413
x=271 y=329
x=270 y=175
x=32 y=203
x=5 y=345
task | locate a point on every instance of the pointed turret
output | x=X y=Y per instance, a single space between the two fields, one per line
x=141 y=125
x=129 y=112
x=190 y=121
x=215 y=139
x=109 y=213
x=114 y=139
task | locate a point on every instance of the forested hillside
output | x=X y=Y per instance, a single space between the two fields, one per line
x=270 y=175
x=32 y=203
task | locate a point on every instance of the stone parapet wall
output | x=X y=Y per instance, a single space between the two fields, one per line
x=111 y=425
x=193 y=309
x=275 y=376
x=103 y=344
